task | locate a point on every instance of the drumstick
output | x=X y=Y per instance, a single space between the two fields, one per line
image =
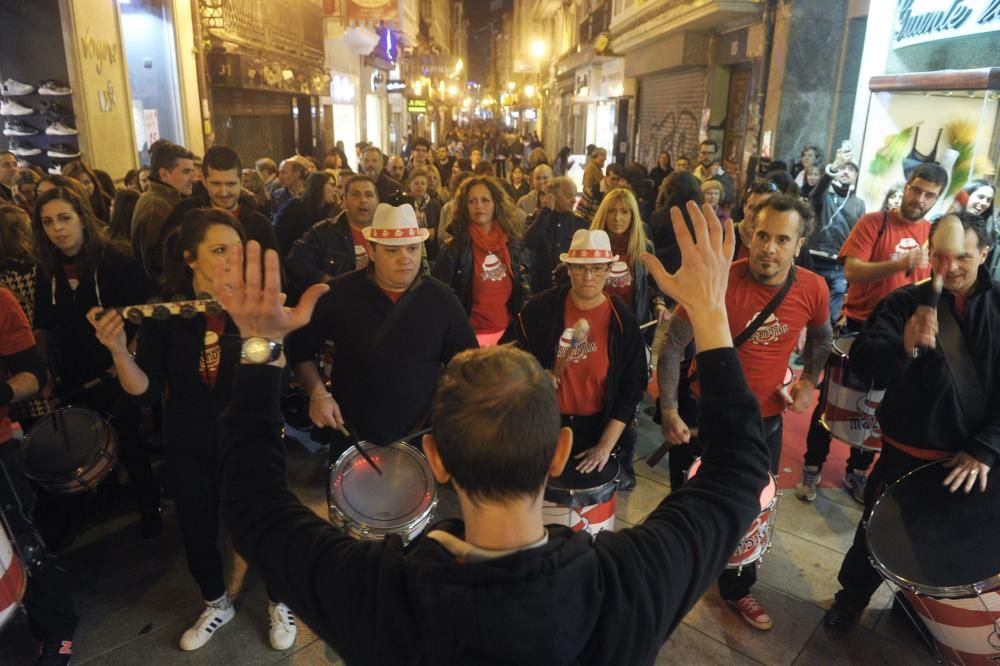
x=570 y=339
x=648 y=324
x=949 y=243
x=357 y=445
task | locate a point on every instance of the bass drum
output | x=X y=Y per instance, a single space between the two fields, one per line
x=70 y=451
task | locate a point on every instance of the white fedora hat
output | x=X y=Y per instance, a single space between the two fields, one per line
x=589 y=247
x=395 y=225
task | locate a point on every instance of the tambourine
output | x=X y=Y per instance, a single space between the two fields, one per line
x=163 y=310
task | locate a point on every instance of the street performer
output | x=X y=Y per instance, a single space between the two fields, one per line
x=497 y=586
x=771 y=302
x=392 y=331
x=604 y=375
x=925 y=414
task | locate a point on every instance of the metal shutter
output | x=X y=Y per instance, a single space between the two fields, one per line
x=670 y=108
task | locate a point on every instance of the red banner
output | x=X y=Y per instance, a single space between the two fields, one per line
x=371 y=12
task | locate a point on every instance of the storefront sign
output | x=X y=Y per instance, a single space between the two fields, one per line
x=342 y=89
x=923 y=21
x=417 y=106
x=395 y=85
x=530 y=114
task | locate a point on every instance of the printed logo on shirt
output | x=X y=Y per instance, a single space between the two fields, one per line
x=770 y=331
x=579 y=353
x=360 y=256
x=493 y=269
x=619 y=276
x=211 y=358
x=904 y=246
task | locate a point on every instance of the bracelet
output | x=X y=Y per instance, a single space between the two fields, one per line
x=321 y=396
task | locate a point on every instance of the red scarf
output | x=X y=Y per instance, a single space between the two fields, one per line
x=495 y=242
x=619 y=246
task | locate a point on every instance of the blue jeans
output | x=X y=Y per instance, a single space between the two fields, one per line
x=833 y=273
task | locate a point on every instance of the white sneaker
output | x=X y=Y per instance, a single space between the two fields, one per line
x=205 y=627
x=63 y=150
x=56 y=128
x=9 y=108
x=24 y=149
x=51 y=87
x=282 y=632
x=13 y=88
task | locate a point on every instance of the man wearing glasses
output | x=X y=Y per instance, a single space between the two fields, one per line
x=885 y=251
x=708 y=169
x=600 y=383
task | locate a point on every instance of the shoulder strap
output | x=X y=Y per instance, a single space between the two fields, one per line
x=768 y=310
x=968 y=383
x=881 y=232
x=394 y=315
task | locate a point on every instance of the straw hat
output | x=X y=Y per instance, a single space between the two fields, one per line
x=395 y=225
x=589 y=247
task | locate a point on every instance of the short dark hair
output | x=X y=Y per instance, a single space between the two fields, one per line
x=496 y=422
x=969 y=221
x=782 y=203
x=360 y=178
x=221 y=158
x=165 y=155
x=932 y=173
x=421 y=141
x=615 y=168
x=710 y=142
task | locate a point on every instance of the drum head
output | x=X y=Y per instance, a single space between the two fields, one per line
x=402 y=494
x=577 y=489
x=64 y=441
x=935 y=542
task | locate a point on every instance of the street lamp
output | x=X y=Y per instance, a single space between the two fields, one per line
x=538 y=49
x=511 y=86
x=529 y=90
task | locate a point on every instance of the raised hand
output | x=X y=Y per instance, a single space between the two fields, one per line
x=110 y=329
x=257 y=306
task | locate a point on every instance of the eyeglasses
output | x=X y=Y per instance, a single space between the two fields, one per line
x=596 y=270
x=923 y=195
x=762 y=188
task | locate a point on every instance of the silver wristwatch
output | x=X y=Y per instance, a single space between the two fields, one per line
x=259 y=351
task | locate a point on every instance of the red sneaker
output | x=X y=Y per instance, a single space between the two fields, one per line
x=752 y=612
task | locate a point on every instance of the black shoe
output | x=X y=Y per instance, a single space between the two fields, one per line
x=842 y=617
x=626 y=480
x=55 y=653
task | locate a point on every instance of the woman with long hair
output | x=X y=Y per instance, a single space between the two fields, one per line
x=563 y=163
x=193 y=362
x=83 y=271
x=318 y=201
x=664 y=167
x=100 y=200
x=482 y=259
x=120 y=224
x=251 y=181
x=427 y=208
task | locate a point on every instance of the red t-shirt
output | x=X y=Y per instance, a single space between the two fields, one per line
x=765 y=355
x=211 y=356
x=362 y=248
x=491 y=290
x=899 y=237
x=15 y=336
x=393 y=296
x=582 y=386
x=621 y=282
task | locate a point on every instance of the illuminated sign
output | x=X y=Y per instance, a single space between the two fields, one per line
x=530 y=114
x=341 y=89
x=923 y=21
x=395 y=85
x=417 y=106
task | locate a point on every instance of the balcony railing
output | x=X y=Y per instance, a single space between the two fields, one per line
x=595 y=23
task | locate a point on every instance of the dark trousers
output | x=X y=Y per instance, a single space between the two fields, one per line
x=858 y=578
x=818 y=438
x=733 y=583
x=48 y=598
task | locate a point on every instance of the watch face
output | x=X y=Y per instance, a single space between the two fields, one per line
x=257 y=350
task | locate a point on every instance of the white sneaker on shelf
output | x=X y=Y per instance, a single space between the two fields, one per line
x=51 y=87
x=213 y=617
x=57 y=128
x=62 y=150
x=282 y=631
x=24 y=149
x=18 y=128
x=13 y=88
x=10 y=108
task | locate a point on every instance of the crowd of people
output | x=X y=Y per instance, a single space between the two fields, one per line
x=482 y=240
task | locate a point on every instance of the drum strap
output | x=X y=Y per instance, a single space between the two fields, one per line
x=968 y=383
x=768 y=310
x=394 y=316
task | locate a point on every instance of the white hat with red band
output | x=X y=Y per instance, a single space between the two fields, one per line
x=395 y=225
x=589 y=247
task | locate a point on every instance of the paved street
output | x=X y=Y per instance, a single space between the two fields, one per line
x=136 y=598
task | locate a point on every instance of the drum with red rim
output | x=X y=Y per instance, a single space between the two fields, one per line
x=582 y=501
x=12 y=579
x=757 y=540
x=849 y=413
x=943 y=550
x=70 y=451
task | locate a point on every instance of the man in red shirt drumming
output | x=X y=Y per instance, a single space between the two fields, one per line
x=885 y=251
x=47 y=599
x=781 y=225
x=601 y=380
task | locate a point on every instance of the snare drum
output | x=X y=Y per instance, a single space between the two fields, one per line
x=757 y=539
x=582 y=501
x=369 y=506
x=943 y=549
x=70 y=451
x=12 y=579
x=849 y=413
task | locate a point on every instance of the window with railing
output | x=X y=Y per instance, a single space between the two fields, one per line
x=595 y=23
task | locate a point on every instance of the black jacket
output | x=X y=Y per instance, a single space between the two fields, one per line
x=538 y=327
x=390 y=191
x=612 y=600
x=293 y=220
x=385 y=391
x=326 y=250
x=921 y=407
x=256 y=226
x=546 y=238
x=836 y=214
x=454 y=268
x=119 y=281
